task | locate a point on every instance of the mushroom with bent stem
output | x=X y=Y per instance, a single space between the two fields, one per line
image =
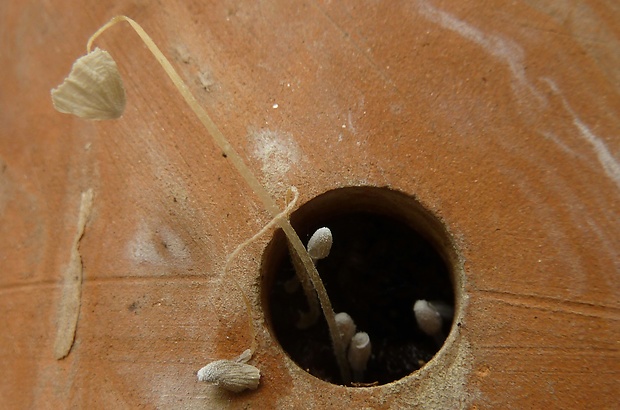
x=72 y=100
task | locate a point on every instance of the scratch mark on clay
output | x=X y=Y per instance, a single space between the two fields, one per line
x=508 y=51
x=555 y=305
x=70 y=300
x=608 y=162
x=350 y=124
x=567 y=150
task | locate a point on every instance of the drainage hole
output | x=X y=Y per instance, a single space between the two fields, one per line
x=380 y=264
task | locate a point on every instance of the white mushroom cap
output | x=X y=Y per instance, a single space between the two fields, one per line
x=320 y=243
x=428 y=317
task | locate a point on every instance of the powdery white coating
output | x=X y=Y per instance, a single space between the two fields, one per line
x=277 y=152
x=428 y=318
x=232 y=375
x=346 y=326
x=93 y=90
x=359 y=352
x=158 y=244
x=320 y=244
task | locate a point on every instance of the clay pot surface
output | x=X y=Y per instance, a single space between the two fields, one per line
x=501 y=119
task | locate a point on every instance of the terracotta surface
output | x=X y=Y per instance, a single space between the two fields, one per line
x=503 y=119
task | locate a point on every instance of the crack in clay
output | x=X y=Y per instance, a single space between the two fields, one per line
x=70 y=300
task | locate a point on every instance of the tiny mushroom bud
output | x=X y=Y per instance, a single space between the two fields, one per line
x=93 y=90
x=358 y=355
x=428 y=318
x=346 y=326
x=232 y=375
x=320 y=244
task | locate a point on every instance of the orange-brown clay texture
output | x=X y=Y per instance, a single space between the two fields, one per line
x=502 y=118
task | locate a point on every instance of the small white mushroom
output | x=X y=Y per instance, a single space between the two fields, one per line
x=232 y=375
x=93 y=90
x=428 y=318
x=346 y=326
x=320 y=244
x=358 y=355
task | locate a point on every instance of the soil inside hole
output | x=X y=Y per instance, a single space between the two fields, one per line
x=378 y=267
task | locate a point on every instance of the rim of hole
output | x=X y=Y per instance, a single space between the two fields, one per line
x=385 y=203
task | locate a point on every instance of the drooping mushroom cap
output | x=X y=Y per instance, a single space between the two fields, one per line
x=93 y=90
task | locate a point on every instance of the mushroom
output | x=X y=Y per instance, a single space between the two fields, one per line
x=320 y=244
x=430 y=317
x=358 y=355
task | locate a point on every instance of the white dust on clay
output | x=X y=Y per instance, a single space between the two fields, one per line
x=277 y=153
x=158 y=245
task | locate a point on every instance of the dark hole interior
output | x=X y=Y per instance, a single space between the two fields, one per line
x=379 y=265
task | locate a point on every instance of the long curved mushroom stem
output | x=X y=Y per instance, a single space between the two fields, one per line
x=255 y=185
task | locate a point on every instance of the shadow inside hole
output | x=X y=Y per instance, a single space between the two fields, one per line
x=384 y=257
